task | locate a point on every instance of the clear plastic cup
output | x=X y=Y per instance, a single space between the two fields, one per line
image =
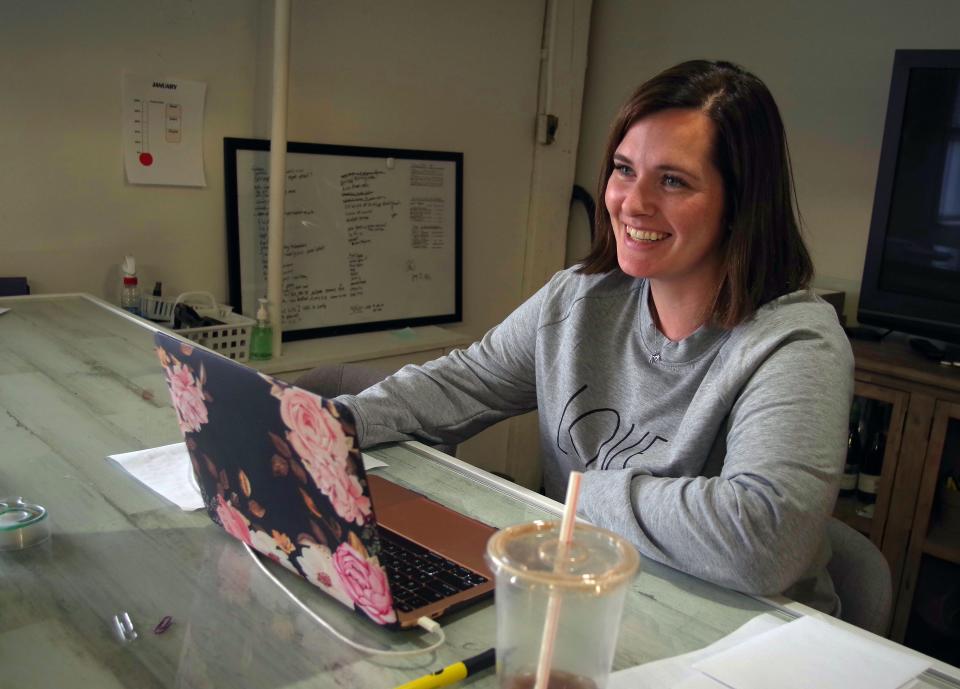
x=589 y=586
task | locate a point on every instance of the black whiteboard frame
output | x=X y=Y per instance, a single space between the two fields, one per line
x=232 y=146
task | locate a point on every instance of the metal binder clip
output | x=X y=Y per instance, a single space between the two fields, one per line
x=123 y=627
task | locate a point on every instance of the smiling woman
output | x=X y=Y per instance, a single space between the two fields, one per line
x=722 y=122
x=683 y=366
x=665 y=201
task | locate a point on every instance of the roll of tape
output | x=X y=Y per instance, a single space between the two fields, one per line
x=22 y=524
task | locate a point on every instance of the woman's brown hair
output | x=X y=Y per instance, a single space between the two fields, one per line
x=764 y=254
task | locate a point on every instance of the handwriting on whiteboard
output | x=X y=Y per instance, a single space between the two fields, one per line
x=364 y=240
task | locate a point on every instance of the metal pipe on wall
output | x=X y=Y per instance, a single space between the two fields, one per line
x=278 y=167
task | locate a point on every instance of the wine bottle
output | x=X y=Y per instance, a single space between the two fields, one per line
x=871 y=468
x=865 y=421
x=851 y=468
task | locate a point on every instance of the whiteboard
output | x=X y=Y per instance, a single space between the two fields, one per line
x=371 y=236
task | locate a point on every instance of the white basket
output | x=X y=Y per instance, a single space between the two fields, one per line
x=157 y=308
x=232 y=339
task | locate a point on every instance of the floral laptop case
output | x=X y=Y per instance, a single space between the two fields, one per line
x=291 y=485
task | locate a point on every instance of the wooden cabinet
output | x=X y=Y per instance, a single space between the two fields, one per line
x=890 y=405
x=931 y=571
x=912 y=519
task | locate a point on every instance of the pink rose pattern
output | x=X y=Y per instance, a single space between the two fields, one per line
x=352 y=573
x=366 y=583
x=313 y=432
x=320 y=442
x=316 y=562
x=187 y=396
x=233 y=521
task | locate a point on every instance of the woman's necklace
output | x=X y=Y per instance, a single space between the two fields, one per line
x=657 y=330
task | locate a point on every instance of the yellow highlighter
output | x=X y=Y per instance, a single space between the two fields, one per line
x=453 y=673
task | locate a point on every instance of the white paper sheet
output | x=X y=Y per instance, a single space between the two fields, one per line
x=167 y=471
x=758 y=641
x=3 y=311
x=809 y=652
x=371 y=462
x=676 y=671
x=163 y=131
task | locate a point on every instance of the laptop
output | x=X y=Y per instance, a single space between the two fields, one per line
x=279 y=468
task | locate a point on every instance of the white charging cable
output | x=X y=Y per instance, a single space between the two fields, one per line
x=424 y=622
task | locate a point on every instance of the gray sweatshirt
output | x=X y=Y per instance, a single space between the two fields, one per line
x=718 y=455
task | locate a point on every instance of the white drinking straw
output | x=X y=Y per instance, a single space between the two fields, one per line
x=559 y=563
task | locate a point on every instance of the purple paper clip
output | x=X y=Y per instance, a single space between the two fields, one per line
x=163 y=625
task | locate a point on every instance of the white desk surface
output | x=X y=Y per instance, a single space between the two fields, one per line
x=79 y=381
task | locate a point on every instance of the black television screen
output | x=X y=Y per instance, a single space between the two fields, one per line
x=911 y=276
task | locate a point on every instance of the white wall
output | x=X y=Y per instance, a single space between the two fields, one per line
x=67 y=216
x=430 y=74
x=828 y=65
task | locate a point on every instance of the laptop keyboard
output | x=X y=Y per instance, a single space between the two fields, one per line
x=419 y=577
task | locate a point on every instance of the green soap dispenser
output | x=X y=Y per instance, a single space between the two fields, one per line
x=261 y=340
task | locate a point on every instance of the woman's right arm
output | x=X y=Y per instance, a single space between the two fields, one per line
x=456 y=396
